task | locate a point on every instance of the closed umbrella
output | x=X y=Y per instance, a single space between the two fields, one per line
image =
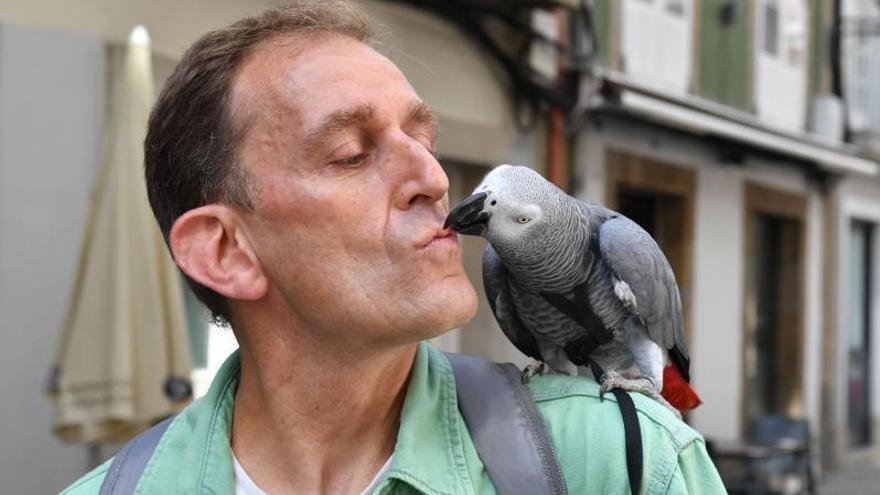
x=123 y=359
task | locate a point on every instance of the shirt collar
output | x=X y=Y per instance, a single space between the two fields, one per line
x=428 y=455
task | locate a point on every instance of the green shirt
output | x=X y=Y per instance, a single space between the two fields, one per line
x=434 y=453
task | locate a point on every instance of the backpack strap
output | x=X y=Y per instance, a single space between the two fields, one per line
x=506 y=427
x=132 y=458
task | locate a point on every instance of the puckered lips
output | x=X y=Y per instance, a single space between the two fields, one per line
x=468 y=217
x=438 y=237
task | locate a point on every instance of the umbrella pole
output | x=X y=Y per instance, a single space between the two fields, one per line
x=94 y=455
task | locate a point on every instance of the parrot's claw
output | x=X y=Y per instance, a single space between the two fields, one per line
x=612 y=379
x=531 y=370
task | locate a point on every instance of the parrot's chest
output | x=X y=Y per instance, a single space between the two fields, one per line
x=550 y=325
x=543 y=320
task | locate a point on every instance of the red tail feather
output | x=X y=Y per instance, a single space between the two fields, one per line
x=678 y=391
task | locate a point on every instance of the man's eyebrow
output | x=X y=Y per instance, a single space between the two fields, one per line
x=422 y=114
x=336 y=122
x=419 y=114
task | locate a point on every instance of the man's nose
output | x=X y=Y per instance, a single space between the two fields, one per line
x=421 y=178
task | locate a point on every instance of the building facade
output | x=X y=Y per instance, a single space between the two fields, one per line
x=741 y=135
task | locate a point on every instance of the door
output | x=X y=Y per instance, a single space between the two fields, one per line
x=773 y=340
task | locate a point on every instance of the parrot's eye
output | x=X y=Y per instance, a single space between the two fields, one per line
x=523 y=220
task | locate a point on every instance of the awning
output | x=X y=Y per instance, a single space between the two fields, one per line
x=704 y=118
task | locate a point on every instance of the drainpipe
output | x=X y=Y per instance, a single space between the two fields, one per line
x=835 y=50
x=836 y=60
x=557 y=142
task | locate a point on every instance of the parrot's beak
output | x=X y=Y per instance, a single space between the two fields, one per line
x=468 y=217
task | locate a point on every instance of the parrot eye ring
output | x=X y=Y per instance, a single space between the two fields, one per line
x=523 y=220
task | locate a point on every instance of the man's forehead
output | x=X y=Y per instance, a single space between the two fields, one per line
x=290 y=74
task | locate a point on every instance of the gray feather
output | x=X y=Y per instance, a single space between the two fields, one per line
x=635 y=258
x=496 y=282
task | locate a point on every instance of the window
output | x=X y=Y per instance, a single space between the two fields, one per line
x=780 y=84
x=656 y=42
x=861 y=64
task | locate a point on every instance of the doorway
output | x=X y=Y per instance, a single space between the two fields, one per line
x=659 y=196
x=858 y=328
x=773 y=333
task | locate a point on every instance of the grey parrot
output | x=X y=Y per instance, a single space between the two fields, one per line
x=572 y=284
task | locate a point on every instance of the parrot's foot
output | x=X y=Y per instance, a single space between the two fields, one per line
x=558 y=361
x=612 y=379
x=531 y=370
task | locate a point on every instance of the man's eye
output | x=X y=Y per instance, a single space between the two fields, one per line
x=352 y=160
x=432 y=150
x=426 y=141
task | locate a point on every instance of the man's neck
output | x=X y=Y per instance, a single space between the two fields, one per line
x=308 y=421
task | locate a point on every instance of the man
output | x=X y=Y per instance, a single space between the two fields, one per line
x=291 y=168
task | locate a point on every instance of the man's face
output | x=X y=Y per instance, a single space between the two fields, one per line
x=348 y=199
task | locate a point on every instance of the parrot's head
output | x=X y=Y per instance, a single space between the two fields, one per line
x=512 y=206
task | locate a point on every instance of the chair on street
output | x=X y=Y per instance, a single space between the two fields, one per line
x=775 y=459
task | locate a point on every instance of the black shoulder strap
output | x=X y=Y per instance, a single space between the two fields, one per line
x=631 y=431
x=579 y=352
x=506 y=427
x=633 y=437
x=130 y=461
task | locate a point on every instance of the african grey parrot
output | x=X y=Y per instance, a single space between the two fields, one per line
x=570 y=281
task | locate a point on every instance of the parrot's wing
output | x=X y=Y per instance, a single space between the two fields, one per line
x=636 y=259
x=496 y=282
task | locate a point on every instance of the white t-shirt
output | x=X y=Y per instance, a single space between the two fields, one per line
x=244 y=485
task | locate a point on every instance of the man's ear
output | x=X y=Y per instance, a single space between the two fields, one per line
x=209 y=246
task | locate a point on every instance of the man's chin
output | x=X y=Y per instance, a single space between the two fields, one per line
x=453 y=307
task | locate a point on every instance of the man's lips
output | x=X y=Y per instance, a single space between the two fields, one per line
x=439 y=235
